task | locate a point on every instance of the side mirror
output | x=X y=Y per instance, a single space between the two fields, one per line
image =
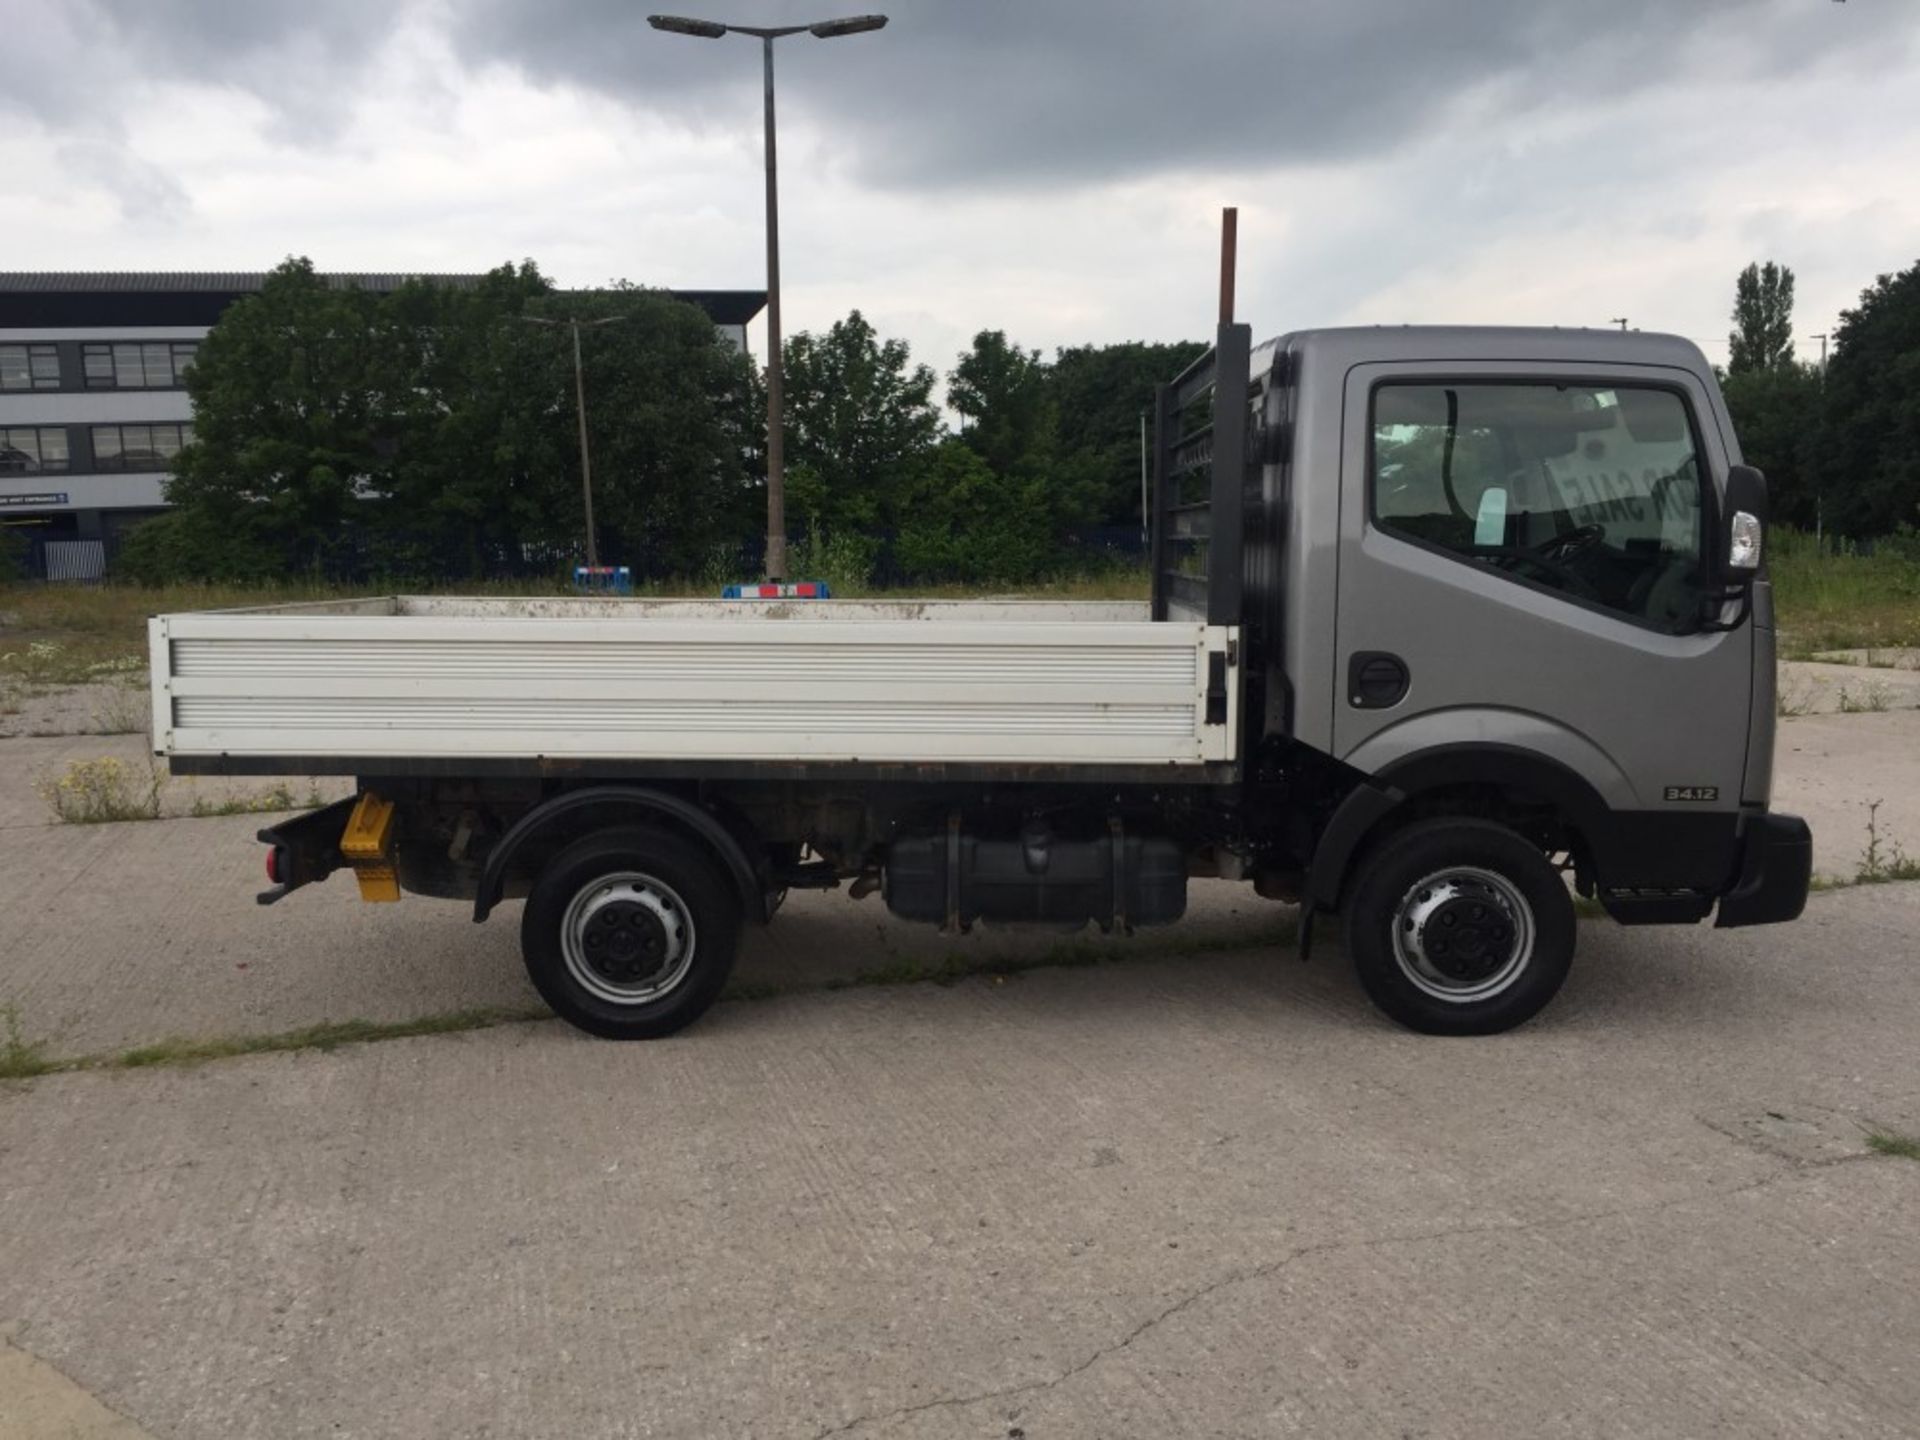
x=1744 y=514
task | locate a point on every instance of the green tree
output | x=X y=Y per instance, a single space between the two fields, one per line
x=479 y=458
x=1762 y=337
x=1776 y=414
x=1100 y=393
x=286 y=425
x=669 y=422
x=1001 y=393
x=964 y=521
x=1868 y=457
x=430 y=431
x=859 y=419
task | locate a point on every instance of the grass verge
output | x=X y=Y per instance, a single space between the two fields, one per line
x=329 y=1035
x=1842 y=599
x=21 y=1059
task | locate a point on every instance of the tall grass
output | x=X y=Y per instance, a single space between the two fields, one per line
x=1839 y=597
x=54 y=636
x=1834 y=597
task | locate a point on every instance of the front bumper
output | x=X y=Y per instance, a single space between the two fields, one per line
x=1776 y=868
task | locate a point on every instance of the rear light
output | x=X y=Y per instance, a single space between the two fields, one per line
x=276 y=865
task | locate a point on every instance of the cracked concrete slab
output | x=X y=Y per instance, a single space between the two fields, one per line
x=1209 y=1193
x=37 y=1402
x=1832 y=769
x=1812 y=687
x=1202 y=1195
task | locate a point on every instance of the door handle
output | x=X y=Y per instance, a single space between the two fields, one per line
x=1376 y=680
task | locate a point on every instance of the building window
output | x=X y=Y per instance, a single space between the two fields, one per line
x=138 y=447
x=31 y=450
x=29 y=367
x=143 y=365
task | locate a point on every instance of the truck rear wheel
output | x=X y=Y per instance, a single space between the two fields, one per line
x=1459 y=927
x=630 y=934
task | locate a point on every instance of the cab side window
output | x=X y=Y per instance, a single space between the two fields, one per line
x=1592 y=491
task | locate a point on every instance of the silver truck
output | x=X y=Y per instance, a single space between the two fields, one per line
x=1446 y=625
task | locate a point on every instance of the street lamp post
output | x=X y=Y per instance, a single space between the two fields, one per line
x=580 y=404
x=776 y=377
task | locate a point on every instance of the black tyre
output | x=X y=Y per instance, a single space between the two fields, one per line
x=630 y=934
x=1459 y=927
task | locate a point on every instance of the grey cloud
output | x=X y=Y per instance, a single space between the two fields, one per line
x=967 y=93
x=74 y=62
x=997 y=91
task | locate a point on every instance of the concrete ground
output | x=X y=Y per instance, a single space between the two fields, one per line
x=1199 y=1193
x=1823 y=688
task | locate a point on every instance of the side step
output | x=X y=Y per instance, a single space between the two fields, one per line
x=1657 y=907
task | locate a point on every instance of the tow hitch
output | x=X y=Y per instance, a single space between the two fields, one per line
x=304 y=849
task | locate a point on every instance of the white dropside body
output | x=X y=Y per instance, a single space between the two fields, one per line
x=441 y=678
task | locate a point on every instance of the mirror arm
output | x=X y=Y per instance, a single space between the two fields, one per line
x=1713 y=600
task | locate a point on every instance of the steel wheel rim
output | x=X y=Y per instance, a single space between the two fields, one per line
x=627 y=938
x=1463 y=934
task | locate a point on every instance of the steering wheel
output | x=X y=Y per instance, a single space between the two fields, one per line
x=1569 y=579
x=1559 y=549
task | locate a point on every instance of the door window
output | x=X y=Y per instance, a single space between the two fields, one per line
x=1592 y=491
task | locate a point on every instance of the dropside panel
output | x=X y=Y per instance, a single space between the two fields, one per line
x=623 y=689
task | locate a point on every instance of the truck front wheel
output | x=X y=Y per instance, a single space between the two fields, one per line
x=630 y=934
x=1459 y=927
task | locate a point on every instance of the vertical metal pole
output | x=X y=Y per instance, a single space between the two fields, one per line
x=586 y=461
x=1163 y=436
x=1820 y=492
x=1146 y=509
x=776 y=377
x=1229 y=245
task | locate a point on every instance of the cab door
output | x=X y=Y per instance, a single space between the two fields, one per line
x=1524 y=564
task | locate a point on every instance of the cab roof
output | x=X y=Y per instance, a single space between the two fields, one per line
x=1344 y=346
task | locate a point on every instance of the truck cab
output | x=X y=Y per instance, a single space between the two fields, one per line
x=1502 y=575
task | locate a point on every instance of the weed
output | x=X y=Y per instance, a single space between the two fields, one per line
x=266 y=802
x=1880 y=861
x=123 y=711
x=93 y=792
x=20 y=1058
x=42 y=665
x=1885 y=1142
x=1795 y=697
x=329 y=1035
x=1870 y=697
x=844 y=559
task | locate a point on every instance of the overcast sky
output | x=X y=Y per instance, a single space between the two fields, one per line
x=1054 y=168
